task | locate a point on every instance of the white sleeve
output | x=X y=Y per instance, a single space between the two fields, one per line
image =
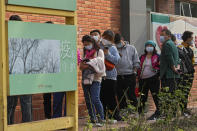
x=101 y=54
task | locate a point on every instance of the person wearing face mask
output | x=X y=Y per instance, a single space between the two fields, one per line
x=169 y=61
x=187 y=78
x=108 y=95
x=169 y=68
x=148 y=76
x=96 y=35
x=127 y=67
x=93 y=69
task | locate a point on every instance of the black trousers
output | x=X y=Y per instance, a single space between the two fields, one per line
x=168 y=104
x=126 y=87
x=152 y=84
x=47 y=105
x=26 y=108
x=172 y=83
x=185 y=86
x=107 y=95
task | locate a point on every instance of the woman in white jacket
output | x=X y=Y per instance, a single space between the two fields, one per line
x=93 y=69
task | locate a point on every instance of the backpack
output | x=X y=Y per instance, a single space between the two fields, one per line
x=186 y=61
x=189 y=55
x=183 y=58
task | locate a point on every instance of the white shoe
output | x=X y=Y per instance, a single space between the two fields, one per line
x=98 y=125
x=112 y=121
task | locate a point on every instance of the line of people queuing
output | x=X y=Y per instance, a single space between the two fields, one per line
x=111 y=66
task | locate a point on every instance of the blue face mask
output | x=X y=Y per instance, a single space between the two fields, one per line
x=89 y=47
x=149 y=49
x=162 y=39
x=191 y=42
x=119 y=45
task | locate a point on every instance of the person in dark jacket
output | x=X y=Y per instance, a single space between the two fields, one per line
x=184 y=64
x=169 y=69
x=187 y=77
x=169 y=62
x=148 y=76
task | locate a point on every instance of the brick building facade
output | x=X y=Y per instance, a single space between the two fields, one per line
x=93 y=14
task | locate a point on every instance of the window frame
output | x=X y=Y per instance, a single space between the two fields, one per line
x=154 y=7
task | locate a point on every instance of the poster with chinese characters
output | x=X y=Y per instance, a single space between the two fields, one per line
x=42 y=58
x=69 y=5
x=177 y=25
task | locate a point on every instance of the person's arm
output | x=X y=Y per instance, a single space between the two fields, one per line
x=136 y=60
x=101 y=54
x=83 y=66
x=158 y=62
x=193 y=60
x=169 y=55
x=113 y=56
x=78 y=57
x=139 y=69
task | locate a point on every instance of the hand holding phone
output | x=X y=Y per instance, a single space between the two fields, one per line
x=85 y=60
x=106 y=50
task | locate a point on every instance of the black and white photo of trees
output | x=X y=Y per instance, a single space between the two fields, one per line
x=33 y=56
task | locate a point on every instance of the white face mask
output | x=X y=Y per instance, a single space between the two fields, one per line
x=149 y=49
x=96 y=38
x=162 y=39
x=89 y=47
x=119 y=45
x=106 y=42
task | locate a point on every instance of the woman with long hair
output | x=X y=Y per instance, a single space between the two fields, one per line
x=93 y=69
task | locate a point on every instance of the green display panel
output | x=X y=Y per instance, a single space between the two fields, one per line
x=42 y=58
x=160 y=18
x=69 y=5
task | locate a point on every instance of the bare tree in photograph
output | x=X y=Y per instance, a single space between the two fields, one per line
x=52 y=61
x=35 y=63
x=33 y=56
x=14 y=50
x=27 y=47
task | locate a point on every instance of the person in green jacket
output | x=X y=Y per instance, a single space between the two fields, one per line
x=169 y=62
x=169 y=72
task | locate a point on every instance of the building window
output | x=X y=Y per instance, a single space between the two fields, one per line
x=150 y=5
x=185 y=9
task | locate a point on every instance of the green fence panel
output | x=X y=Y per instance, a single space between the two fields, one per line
x=69 y=5
x=42 y=58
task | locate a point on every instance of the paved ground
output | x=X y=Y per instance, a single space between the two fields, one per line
x=83 y=125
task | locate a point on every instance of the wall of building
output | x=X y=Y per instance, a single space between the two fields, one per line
x=165 y=6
